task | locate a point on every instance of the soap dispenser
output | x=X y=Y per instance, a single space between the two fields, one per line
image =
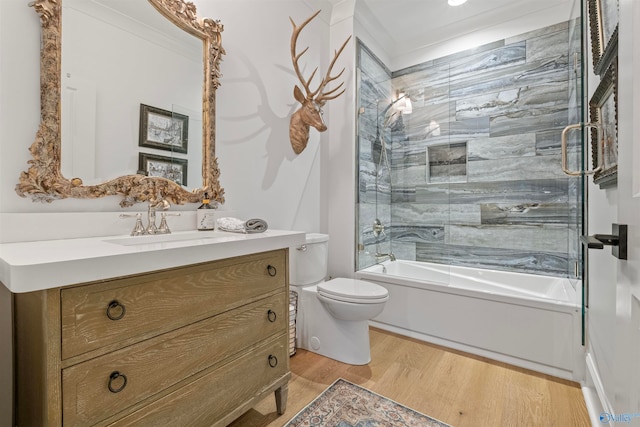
x=205 y=215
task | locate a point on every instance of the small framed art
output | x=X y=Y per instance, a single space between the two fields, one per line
x=163 y=129
x=171 y=168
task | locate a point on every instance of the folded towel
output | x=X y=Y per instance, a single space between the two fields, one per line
x=255 y=225
x=230 y=224
x=236 y=225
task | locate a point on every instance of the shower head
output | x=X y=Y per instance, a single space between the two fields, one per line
x=379 y=146
x=405 y=107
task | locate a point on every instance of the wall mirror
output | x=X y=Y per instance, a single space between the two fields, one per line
x=127 y=102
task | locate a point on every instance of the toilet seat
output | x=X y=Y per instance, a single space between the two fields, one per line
x=353 y=290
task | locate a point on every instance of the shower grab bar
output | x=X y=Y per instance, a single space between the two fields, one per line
x=599 y=145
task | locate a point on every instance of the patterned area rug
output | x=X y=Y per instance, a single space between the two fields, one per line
x=344 y=404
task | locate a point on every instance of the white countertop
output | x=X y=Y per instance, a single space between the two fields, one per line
x=33 y=266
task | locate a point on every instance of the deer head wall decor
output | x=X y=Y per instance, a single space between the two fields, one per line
x=310 y=113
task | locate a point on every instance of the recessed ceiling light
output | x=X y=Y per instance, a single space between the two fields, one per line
x=456 y=2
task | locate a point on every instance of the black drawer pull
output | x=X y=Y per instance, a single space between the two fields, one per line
x=113 y=377
x=113 y=307
x=272 y=270
x=273 y=361
x=271 y=315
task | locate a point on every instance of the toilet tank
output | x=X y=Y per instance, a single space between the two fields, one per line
x=308 y=263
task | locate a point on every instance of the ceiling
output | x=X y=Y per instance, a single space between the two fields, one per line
x=413 y=24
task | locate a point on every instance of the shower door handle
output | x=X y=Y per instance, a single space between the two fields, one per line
x=599 y=154
x=617 y=240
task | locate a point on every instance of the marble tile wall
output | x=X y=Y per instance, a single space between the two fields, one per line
x=499 y=198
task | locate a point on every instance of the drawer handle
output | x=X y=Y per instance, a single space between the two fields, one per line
x=273 y=361
x=113 y=306
x=271 y=315
x=272 y=270
x=114 y=377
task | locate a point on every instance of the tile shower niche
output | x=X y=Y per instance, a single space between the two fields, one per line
x=447 y=163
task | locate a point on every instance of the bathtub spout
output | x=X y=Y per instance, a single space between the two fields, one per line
x=384 y=268
x=390 y=255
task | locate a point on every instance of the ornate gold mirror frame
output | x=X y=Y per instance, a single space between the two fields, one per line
x=44 y=181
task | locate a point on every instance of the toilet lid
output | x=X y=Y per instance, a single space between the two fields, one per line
x=353 y=290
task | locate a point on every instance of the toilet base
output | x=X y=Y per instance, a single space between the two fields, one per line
x=319 y=332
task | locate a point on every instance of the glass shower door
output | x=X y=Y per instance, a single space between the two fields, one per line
x=576 y=152
x=373 y=156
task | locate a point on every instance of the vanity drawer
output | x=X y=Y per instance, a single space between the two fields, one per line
x=159 y=363
x=122 y=311
x=209 y=399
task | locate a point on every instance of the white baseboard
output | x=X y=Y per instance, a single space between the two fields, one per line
x=594 y=394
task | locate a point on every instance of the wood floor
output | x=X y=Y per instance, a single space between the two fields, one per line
x=454 y=387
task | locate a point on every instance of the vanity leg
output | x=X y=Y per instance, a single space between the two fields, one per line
x=281 y=398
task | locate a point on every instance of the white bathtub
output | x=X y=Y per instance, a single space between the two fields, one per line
x=525 y=320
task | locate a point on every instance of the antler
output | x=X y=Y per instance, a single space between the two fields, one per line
x=322 y=97
x=295 y=57
x=325 y=96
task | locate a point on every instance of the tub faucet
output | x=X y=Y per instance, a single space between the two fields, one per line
x=384 y=269
x=390 y=255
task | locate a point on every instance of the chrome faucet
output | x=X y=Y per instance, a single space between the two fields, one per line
x=139 y=229
x=390 y=255
x=151 y=217
x=384 y=268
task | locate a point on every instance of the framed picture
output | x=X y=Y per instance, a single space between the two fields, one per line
x=603 y=24
x=164 y=167
x=603 y=109
x=163 y=129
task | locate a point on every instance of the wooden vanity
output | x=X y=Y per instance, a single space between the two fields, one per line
x=195 y=345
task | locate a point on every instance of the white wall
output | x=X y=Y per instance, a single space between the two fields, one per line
x=19 y=100
x=261 y=174
x=340 y=164
x=377 y=42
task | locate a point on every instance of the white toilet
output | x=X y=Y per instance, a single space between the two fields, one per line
x=333 y=316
